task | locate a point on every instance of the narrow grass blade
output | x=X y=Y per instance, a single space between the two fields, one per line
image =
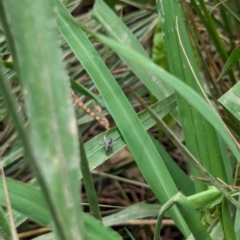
x=230 y=100
x=88 y=182
x=9 y=207
x=81 y=89
x=237 y=221
x=233 y=58
x=227 y=220
x=129 y=234
x=5 y=231
x=147 y=158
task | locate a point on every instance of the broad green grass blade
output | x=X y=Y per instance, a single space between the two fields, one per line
x=29 y=201
x=147 y=158
x=53 y=134
x=118 y=31
x=231 y=100
x=201 y=139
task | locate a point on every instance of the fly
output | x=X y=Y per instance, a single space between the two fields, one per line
x=108 y=144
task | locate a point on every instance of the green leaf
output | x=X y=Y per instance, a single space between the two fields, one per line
x=88 y=183
x=233 y=58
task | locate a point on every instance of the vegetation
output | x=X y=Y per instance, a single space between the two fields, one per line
x=147 y=83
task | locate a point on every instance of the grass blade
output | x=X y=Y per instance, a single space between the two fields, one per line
x=230 y=100
x=88 y=182
x=233 y=58
x=54 y=157
x=227 y=221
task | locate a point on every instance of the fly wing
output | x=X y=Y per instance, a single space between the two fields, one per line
x=105 y=139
